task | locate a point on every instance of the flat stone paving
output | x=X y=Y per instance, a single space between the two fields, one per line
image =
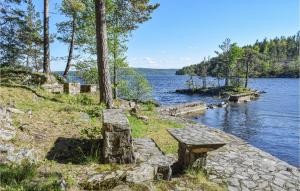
x=244 y=167
x=195 y=136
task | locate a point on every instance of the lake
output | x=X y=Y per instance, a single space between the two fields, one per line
x=270 y=123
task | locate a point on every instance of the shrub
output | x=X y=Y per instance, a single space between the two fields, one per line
x=135 y=87
x=150 y=107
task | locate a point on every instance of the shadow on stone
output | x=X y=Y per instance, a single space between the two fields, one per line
x=76 y=151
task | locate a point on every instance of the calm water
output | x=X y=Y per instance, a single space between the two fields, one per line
x=270 y=123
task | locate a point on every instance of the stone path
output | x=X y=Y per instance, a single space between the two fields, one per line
x=152 y=162
x=244 y=167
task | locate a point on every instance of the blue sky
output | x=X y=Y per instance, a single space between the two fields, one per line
x=183 y=32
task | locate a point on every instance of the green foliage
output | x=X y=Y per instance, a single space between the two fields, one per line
x=136 y=88
x=84 y=99
x=87 y=70
x=277 y=57
x=150 y=107
x=59 y=78
x=25 y=177
x=20 y=34
x=95 y=111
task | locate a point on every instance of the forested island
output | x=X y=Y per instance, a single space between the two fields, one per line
x=270 y=58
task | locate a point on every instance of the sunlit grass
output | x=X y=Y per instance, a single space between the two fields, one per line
x=155 y=129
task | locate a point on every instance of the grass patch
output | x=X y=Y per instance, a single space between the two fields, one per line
x=198 y=177
x=191 y=180
x=155 y=129
x=25 y=177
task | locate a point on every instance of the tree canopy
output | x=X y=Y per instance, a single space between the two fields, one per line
x=278 y=57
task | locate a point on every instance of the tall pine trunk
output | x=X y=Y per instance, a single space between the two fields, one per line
x=102 y=55
x=115 y=67
x=204 y=83
x=46 y=63
x=227 y=76
x=70 y=56
x=247 y=74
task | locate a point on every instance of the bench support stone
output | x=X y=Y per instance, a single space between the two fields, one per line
x=88 y=88
x=193 y=145
x=72 y=88
x=187 y=158
x=117 y=141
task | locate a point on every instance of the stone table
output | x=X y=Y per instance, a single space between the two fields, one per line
x=194 y=143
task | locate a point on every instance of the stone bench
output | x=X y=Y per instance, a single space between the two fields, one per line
x=88 y=88
x=117 y=141
x=194 y=143
x=184 y=109
x=72 y=88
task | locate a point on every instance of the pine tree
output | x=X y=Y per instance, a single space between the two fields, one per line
x=68 y=29
x=46 y=62
x=102 y=55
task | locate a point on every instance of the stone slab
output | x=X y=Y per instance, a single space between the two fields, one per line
x=196 y=137
x=148 y=154
x=115 y=120
x=184 y=109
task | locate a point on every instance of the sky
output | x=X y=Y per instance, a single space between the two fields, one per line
x=183 y=32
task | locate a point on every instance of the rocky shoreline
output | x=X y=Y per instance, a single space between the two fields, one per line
x=244 y=167
x=223 y=92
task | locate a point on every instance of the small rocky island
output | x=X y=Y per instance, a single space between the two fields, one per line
x=227 y=93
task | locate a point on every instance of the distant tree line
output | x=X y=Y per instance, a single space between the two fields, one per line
x=278 y=57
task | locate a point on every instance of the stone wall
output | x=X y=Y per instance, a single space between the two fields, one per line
x=117 y=141
x=184 y=109
x=72 y=88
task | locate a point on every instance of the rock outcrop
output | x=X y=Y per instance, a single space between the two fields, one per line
x=8 y=152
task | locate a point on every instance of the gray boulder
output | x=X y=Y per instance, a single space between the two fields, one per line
x=104 y=181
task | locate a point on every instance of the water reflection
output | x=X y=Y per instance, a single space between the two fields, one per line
x=235 y=119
